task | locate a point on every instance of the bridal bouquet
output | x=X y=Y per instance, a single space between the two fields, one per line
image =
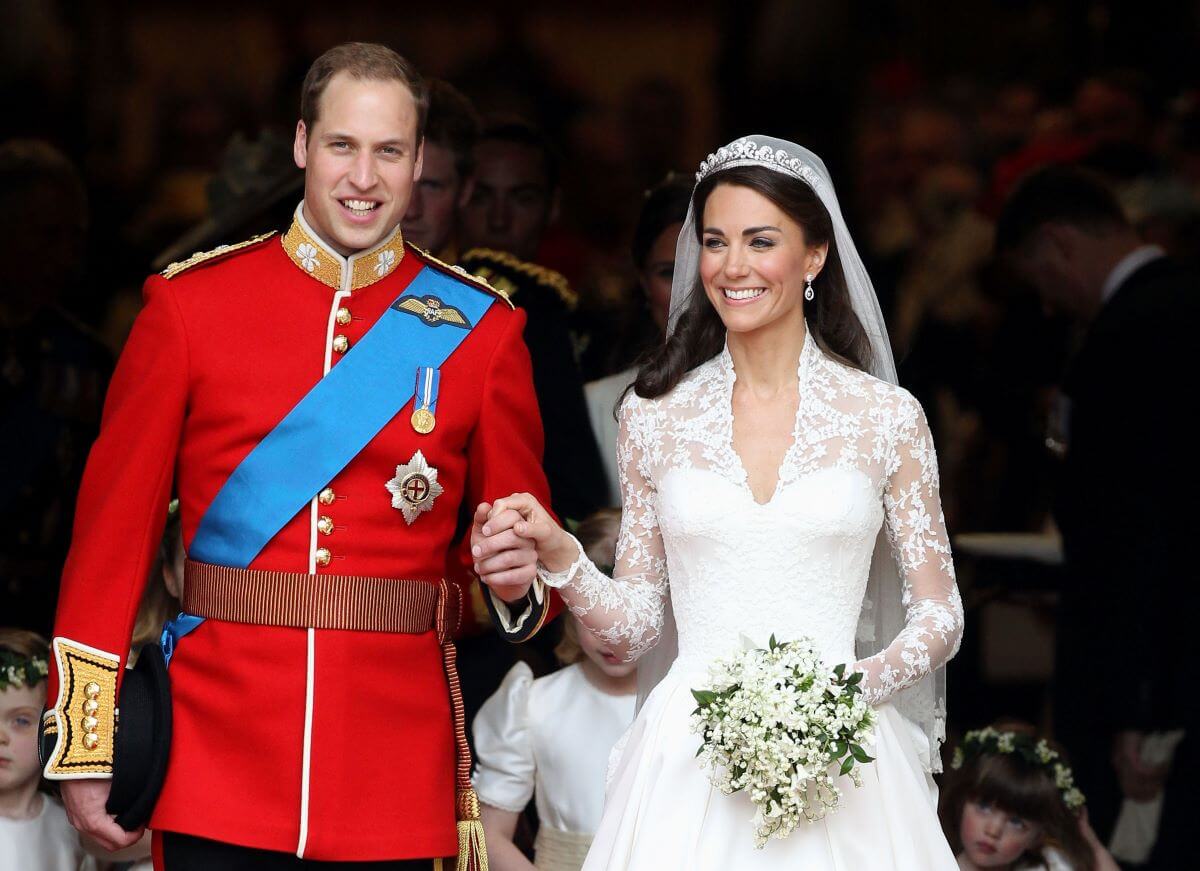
x=783 y=726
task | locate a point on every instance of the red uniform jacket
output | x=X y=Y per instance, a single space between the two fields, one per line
x=333 y=744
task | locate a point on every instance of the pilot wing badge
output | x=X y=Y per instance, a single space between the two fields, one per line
x=414 y=488
x=432 y=311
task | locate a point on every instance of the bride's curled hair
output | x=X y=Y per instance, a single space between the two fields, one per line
x=700 y=334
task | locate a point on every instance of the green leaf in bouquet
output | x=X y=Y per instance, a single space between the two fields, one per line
x=855 y=679
x=839 y=749
x=860 y=754
x=847 y=764
x=704 y=697
x=773 y=644
x=839 y=669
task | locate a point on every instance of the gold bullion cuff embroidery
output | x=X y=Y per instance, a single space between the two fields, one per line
x=83 y=720
x=523 y=625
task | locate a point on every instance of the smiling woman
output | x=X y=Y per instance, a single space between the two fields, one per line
x=772 y=489
x=794 y=237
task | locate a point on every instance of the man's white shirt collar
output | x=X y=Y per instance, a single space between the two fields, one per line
x=1126 y=266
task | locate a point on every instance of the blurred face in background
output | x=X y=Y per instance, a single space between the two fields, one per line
x=1049 y=262
x=430 y=220
x=601 y=654
x=41 y=216
x=657 y=272
x=512 y=202
x=20 y=713
x=360 y=161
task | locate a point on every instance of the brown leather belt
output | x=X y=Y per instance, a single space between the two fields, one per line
x=357 y=603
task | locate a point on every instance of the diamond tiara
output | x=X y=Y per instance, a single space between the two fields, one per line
x=747 y=152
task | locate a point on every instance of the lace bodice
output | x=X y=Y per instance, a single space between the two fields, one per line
x=797 y=565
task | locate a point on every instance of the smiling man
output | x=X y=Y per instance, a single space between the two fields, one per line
x=331 y=402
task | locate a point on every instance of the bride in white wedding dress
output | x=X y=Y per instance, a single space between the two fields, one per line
x=761 y=463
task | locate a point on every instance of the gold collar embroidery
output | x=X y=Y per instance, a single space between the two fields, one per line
x=364 y=268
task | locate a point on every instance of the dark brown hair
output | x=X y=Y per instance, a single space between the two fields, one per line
x=453 y=123
x=361 y=60
x=700 y=333
x=1016 y=786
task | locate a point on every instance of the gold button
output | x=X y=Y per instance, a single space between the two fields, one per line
x=90 y=724
x=326 y=496
x=341 y=344
x=92 y=690
x=325 y=525
x=90 y=707
x=323 y=556
x=343 y=316
x=91 y=740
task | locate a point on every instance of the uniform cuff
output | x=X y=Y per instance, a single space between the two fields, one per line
x=78 y=732
x=520 y=620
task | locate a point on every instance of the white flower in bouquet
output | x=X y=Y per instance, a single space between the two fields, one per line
x=780 y=724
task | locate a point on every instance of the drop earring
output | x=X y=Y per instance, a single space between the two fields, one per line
x=808 y=291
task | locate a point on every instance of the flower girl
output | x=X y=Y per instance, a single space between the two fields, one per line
x=1011 y=803
x=551 y=738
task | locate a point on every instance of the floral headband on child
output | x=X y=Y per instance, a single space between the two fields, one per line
x=21 y=671
x=990 y=742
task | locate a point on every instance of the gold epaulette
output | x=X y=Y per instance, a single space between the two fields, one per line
x=547 y=277
x=199 y=257
x=460 y=273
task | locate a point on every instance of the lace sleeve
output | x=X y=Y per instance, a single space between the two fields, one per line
x=626 y=610
x=916 y=531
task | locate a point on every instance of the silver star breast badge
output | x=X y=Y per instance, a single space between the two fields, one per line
x=414 y=488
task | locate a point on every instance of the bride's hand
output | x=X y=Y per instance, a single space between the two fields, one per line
x=523 y=515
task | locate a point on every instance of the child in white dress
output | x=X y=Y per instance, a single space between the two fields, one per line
x=550 y=739
x=34 y=831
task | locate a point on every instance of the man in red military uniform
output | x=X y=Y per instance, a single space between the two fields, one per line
x=312 y=694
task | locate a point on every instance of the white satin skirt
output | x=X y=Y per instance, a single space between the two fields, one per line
x=662 y=813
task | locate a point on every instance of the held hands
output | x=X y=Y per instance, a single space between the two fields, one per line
x=508 y=539
x=85 y=801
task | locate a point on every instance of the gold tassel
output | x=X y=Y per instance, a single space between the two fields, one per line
x=472 y=850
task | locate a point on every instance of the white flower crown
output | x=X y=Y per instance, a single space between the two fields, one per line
x=1037 y=752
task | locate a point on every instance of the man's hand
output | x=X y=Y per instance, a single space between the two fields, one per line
x=505 y=561
x=85 y=801
x=1139 y=781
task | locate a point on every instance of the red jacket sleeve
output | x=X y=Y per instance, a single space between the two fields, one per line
x=505 y=454
x=119 y=520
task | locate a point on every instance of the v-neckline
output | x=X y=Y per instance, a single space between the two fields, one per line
x=739 y=467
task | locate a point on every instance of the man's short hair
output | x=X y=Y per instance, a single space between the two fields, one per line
x=1057 y=194
x=521 y=132
x=361 y=60
x=453 y=124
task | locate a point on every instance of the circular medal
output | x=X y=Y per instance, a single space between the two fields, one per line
x=423 y=421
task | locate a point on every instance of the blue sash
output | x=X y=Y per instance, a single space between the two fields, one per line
x=342 y=413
